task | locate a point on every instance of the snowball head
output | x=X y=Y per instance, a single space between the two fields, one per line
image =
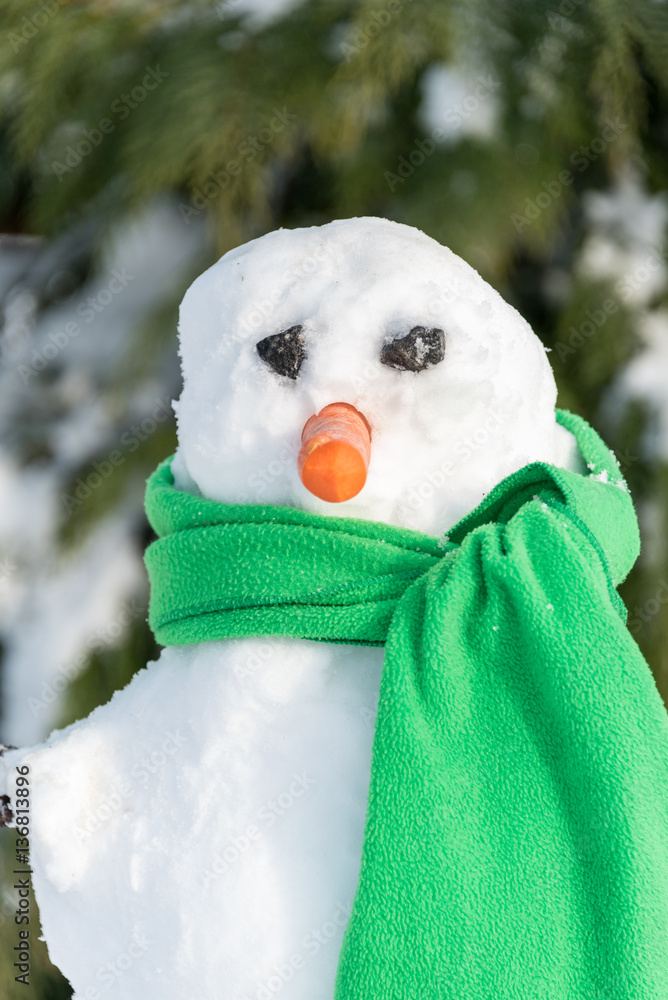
x=442 y=437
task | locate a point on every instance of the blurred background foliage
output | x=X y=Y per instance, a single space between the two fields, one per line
x=140 y=140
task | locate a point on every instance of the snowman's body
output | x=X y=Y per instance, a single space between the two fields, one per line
x=200 y=835
x=205 y=827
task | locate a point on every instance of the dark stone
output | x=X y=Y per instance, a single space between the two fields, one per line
x=283 y=352
x=419 y=349
x=6 y=814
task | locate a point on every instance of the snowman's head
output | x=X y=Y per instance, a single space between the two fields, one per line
x=447 y=388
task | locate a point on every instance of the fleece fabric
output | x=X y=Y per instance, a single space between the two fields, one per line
x=516 y=839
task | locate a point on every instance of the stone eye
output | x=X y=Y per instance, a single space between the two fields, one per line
x=419 y=349
x=284 y=352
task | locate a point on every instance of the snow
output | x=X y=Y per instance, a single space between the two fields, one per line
x=258 y=12
x=459 y=103
x=78 y=602
x=54 y=608
x=200 y=834
x=626 y=245
x=600 y=477
x=646 y=378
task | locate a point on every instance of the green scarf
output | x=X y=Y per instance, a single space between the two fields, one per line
x=516 y=840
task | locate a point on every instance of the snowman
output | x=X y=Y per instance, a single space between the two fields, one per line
x=390 y=749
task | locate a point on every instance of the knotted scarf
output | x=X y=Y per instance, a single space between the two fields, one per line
x=516 y=839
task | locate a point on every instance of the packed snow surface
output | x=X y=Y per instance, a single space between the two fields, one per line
x=200 y=835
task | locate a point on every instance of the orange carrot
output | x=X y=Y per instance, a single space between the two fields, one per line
x=335 y=452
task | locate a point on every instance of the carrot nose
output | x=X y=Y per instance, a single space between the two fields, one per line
x=334 y=457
